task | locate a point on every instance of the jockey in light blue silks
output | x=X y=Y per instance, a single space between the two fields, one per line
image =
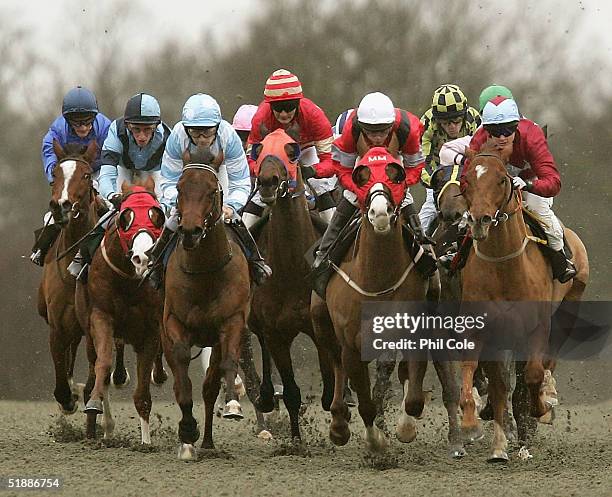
x=80 y=123
x=133 y=149
x=201 y=125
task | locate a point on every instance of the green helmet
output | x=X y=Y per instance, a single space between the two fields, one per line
x=491 y=92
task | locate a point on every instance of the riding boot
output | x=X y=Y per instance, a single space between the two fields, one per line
x=44 y=239
x=155 y=271
x=321 y=269
x=259 y=270
x=563 y=269
x=426 y=265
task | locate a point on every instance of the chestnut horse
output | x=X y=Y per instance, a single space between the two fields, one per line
x=504 y=266
x=207 y=297
x=114 y=304
x=73 y=205
x=280 y=308
x=338 y=323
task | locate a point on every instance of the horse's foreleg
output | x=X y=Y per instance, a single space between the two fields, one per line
x=142 y=395
x=470 y=425
x=360 y=380
x=159 y=375
x=498 y=394
x=280 y=349
x=230 y=337
x=448 y=376
x=101 y=331
x=120 y=377
x=327 y=373
x=210 y=392
x=91 y=359
x=534 y=370
x=385 y=364
x=265 y=399
x=252 y=380
x=59 y=345
x=177 y=350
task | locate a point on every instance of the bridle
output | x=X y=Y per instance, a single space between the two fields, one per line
x=216 y=214
x=75 y=208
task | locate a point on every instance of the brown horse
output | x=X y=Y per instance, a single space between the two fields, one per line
x=338 y=324
x=207 y=297
x=114 y=304
x=504 y=266
x=73 y=205
x=280 y=308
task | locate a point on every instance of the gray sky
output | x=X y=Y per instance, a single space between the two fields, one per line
x=58 y=27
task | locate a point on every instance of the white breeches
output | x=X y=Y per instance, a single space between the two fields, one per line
x=542 y=207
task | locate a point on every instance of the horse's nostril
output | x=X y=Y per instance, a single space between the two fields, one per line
x=486 y=220
x=65 y=205
x=136 y=259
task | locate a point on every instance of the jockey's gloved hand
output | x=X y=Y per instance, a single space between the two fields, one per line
x=308 y=172
x=115 y=199
x=520 y=184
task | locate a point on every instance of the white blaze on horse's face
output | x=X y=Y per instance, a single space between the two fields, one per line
x=480 y=170
x=380 y=211
x=142 y=242
x=68 y=169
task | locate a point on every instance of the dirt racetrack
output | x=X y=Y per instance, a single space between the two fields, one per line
x=572 y=457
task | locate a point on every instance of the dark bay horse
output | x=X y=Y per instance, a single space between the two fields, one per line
x=207 y=297
x=504 y=266
x=114 y=304
x=73 y=206
x=280 y=308
x=381 y=269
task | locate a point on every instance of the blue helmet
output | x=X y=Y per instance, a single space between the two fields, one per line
x=201 y=110
x=79 y=100
x=142 y=109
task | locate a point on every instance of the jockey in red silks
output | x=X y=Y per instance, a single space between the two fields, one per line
x=377 y=123
x=285 y=107
x=538 y=178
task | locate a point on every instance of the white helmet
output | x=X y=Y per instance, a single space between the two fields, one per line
x=376 y=108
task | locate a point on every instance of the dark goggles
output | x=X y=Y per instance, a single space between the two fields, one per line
x=498 y=130
x=77 y=123
x=285 y=105
x=205 y=131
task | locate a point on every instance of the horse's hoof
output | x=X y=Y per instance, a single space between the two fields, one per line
x=232 y=410
x=406 y=430
x=187 y=452
x=375 y=440
x=94 y=407
x=159 y=378
x=349 y=400
x=119 y=380
x=498 y=455
x=339 y=433
x=457 y=452
x=264 y=404
x=265 y=435
x=69 y=408
x=472 y=434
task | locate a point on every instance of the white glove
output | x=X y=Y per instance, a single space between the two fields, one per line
x=519 y=183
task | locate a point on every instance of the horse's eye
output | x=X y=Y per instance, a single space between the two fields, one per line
x=87 y=176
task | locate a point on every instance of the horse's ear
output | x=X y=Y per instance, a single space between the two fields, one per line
x=91 y=152
x=293 y=151
x=361 y=175
x=395 y=172
x=59 y=151
x=149 y=184
x=256 y=150
x=186 y=157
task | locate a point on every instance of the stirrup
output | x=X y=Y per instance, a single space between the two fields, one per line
x=75 y=268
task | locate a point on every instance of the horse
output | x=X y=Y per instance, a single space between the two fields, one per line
x=504 y=266
x=114 y=304
x=74 y=207
x=280 y=308
x=338 y=323
x=207 y=295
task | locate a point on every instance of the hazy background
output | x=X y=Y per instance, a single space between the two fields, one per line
x=555 y=56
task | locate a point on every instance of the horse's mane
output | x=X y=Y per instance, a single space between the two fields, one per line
x=293 y=131
x=202 y=155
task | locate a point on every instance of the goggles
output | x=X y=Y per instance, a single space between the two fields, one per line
x=285 y=105
x=497 y=130
x=206 y=132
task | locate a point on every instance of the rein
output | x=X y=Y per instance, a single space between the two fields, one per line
x=106 y=258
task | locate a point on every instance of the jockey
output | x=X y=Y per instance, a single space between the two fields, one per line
x=133 y=148
x=538 y=179
x=242 y=122
x=376 y=123
x=80 y=122
x=201 y=125
x=449 y=118
x=284 y=106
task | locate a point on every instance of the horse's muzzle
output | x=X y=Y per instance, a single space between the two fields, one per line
x=191 y=237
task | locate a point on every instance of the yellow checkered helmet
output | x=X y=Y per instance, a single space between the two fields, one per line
x=449 y=102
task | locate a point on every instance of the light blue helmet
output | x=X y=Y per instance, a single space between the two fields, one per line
x=500 y=110
x=201 y=110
